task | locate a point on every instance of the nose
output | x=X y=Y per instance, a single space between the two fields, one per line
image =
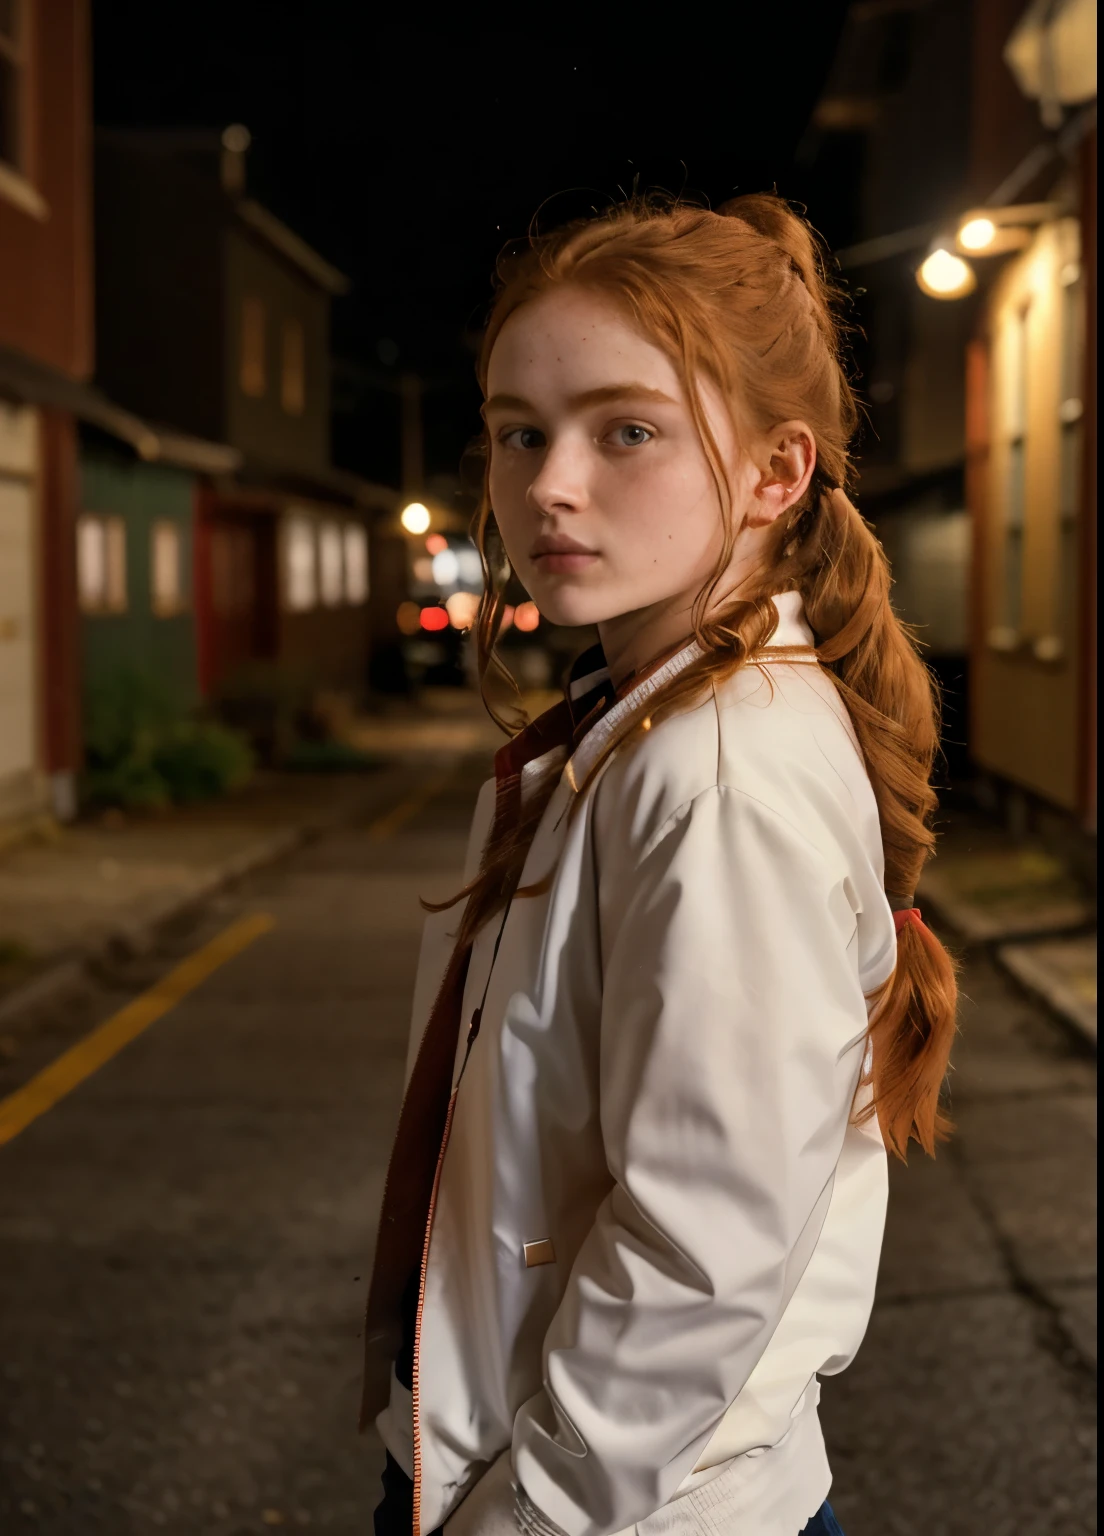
x=560 y=484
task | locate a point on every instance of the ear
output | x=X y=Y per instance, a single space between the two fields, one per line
x=790 y=452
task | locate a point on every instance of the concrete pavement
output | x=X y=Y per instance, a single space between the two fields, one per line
x=186 y=1238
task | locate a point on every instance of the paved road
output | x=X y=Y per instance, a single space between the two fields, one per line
x=186 y=1237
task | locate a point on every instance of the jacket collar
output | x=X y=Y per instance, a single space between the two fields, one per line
x=581 y=725
x=793 y=641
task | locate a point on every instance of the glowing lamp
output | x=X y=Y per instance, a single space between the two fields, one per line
x=943 y=275
x=433 y=619
x=977 y=234
x=436 y=544
x=526 y=617
x=415 y=517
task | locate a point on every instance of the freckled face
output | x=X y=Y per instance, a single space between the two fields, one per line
x=598 y=479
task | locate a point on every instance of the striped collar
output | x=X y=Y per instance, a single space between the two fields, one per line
x=582 y=724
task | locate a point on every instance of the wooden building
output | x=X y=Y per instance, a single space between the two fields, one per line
x=1031 y=425
x=46 y=350
x=214 y=317
x=135 y=537
x=894 y=122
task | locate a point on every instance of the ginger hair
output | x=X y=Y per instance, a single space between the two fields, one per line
x=741 y=296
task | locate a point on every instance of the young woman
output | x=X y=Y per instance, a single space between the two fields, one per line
x=635 y=1203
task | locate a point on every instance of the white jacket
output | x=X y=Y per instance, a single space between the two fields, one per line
x=654 y=1224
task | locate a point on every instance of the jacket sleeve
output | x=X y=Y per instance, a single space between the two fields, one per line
x=731 y=1011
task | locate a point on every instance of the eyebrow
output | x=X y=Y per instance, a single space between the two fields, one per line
x=604 y=395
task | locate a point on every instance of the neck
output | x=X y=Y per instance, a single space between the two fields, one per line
x=631 y=640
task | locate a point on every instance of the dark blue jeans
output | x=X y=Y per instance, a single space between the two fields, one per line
x=823 y=1523
x=394 y=1514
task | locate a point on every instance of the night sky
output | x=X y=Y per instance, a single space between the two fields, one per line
x=408 y=152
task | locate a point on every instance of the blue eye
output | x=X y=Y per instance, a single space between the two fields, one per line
x=522 y=437
x=632 y=436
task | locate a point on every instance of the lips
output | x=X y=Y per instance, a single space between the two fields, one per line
x=558 y=544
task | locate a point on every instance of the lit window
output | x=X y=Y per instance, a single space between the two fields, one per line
x=101 y=564
x=356 y=563
x=166 y=569
x=302 y=566
x=1015 y=488
x=13 y=84
x=1071 y=447
x=293 y=369
x=252 y=375
x=330 y=564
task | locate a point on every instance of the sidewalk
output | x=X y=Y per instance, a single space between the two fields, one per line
x=82 y=892
x=72 y=895
x=1019 y=900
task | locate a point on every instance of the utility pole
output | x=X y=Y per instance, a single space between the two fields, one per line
x=413 y=437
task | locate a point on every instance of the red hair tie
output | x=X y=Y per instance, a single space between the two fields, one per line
x=905 y=916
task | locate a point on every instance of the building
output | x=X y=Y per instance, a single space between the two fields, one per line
x=135 y=540
x=46 y=354
x=978 y=468
x=214 y=316
x=890 y=135
x=1031 y=407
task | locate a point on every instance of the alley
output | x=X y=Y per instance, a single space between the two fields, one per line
x=186 y=1239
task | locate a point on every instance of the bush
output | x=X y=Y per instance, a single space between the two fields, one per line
x=265 y=703
x=200 y=759
x=328 y=757
x=141 y=755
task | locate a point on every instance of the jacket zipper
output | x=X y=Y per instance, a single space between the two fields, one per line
x=415 y=1392
x=415 y=1376
x=383 y=1208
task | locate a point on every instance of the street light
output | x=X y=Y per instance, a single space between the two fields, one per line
x=415 y=517
x=977 y=234
x=943 y=275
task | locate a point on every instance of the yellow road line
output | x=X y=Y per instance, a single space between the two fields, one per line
x=389 y=823
x=108 y=1039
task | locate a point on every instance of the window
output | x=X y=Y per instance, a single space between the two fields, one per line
x=1006 y=635
x=301 y=569
x=166 y=569
x=101 y=564
x=331 y=564
x=293 y=369
x=1070 y=410
x=253 y=319
x=356 y=563
x=13 y=84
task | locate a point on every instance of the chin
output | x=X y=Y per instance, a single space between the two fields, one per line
x=571 y=609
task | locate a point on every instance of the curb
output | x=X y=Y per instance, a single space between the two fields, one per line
x=1010 y=946
x=68 y=972
x=1030 y=971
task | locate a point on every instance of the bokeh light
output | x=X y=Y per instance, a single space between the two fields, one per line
x=446 y=568
x=436 y=543
x=409 y=618
x=526 y=617
x=462 y=608
x=977 y=234
x=415 y=517
x=944 y=275
x=433 y=619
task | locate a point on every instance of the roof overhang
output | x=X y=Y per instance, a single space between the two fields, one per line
x=33 y=383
